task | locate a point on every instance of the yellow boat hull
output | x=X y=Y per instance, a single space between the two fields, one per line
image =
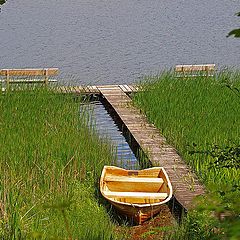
x=138 y=194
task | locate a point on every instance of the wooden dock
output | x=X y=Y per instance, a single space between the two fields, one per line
x=96 y=89
x=186 y=186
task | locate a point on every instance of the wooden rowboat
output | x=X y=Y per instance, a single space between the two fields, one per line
x=137 y=194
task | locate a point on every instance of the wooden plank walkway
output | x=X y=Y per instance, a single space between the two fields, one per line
x=185 y=183
x=95 y=89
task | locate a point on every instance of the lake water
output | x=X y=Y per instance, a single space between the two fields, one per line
x=117 y=41
x=98 y=117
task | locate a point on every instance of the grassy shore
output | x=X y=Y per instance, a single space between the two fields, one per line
x=50 y=165
x=201 y=118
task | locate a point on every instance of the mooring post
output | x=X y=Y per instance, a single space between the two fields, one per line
x=7 y=79
x=46 y=76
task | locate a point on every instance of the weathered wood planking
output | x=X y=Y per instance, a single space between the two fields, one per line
x=29 y=72
x=204 y=70
x=78 y=89
x=195 y=68
x=95 y=89
x=185 y=184
x=21 y=74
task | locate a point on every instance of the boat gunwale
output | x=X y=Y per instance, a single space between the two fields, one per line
x=135 y=204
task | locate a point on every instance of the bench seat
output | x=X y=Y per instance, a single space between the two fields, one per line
x=144 y=195
x=133 y=179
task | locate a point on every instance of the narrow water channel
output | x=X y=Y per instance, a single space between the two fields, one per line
x=107 y=128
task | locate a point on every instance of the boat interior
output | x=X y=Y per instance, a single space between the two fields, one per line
x=135 y=187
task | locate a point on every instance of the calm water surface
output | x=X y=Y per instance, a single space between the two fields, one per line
x=98 y=117
x=117 y=41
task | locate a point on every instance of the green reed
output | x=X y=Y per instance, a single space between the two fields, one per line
x=50 y=164
x=200 y=115
x=195 y=113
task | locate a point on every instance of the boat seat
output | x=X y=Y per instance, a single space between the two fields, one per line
x=128 y=179
x=146 y=195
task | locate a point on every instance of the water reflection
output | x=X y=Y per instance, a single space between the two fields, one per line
x=97 y=117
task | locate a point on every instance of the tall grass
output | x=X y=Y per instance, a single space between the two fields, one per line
x=50 y=163
x=195 y=113
x=200 y=116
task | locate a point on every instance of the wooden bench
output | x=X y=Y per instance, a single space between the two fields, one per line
x=145 y=195
x=18 y=76
x=133 y=179
x=195 y=70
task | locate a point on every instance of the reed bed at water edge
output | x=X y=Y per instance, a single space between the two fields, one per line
x=50 y=164
x=195 y=113
x=200 y=116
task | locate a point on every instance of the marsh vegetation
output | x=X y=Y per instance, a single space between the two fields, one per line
x=201 y=118
x=50 y=164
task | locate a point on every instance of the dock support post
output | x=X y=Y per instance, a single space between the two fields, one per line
x=7 y=80
x=46 y=76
